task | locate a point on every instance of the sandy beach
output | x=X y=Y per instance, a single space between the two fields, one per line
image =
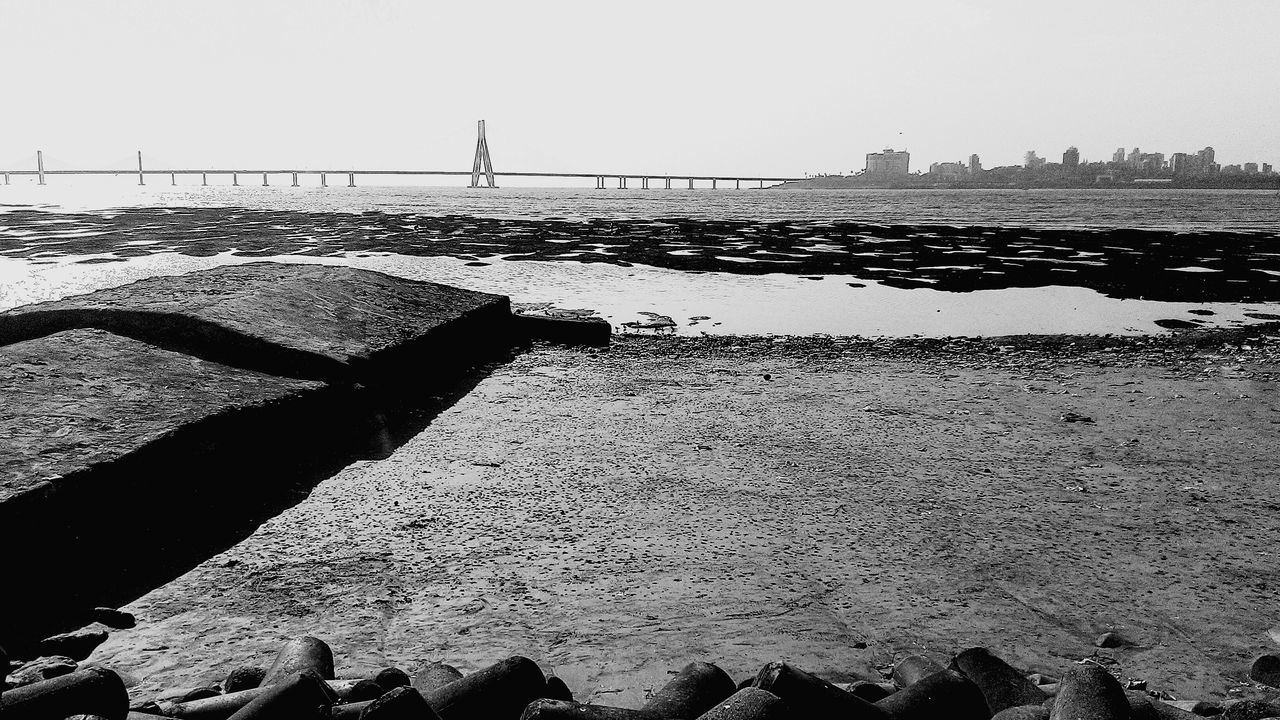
x=836 y=503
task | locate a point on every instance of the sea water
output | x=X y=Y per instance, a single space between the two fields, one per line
x=873 y=262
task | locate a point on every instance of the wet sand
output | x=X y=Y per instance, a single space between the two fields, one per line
x=616 y=514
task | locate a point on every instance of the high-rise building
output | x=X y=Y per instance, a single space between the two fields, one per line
x=1251 y=168
x=1179 y=163
x=1118 y=155
x=889 y=163
x=975 y=164
x=1266 y=168
x=1071 y=158
x=1135 y=156
x=1205 y=157
x=1032 y=161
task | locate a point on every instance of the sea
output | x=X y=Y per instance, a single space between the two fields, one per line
x=874 y=263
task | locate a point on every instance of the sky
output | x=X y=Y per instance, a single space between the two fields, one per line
x=782 y=88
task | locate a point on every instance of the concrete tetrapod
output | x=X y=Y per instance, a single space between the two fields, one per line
x=301 y=696
x=92 y=691
x=392 y=677
x=1001 y=685
x=548 y=709
x=1023 y=712
x=300 y=654
x=243 y=678
x=401 y=703
x=1088 y=692
x=434 y=675
x=498 y=692
x=693 y=691
x=942 y=694
x=752 y=704
x=913 y=668
x=813 y=698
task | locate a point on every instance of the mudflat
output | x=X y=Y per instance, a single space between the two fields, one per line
x=831 y=502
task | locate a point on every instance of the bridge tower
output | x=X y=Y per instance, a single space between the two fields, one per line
x=482 y=157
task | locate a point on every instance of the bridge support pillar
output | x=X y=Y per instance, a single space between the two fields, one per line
x=668 y=183
x=762 y=184
x=6 y=178
x=264 y=179
x=204 y=179
x=351 y=179
x=173 y=178
x=621 y=184
x=737 y=184
x=235 y=179
x=713 y=183
x=323 y=181
x=140 y=182
x=295 y=180
x=644 y=183
x=40 y=164
x=690 y=183
x=599 y=182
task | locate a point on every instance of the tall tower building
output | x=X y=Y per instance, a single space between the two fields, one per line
x=975 y=164
x=1071 y=158
x=889 y=163
x=1118 y=155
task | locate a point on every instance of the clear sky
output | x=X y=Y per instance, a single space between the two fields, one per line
x=784 y=87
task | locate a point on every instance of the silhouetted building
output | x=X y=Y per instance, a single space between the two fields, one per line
x=1031 y=161
x=1180 y=163
x=948 y=170
x=1205 y=160
x=975 y=165
x=1071 y=158
x=1266 y=168
x=889 y=163
x=1118 y=155
x=1251 y=168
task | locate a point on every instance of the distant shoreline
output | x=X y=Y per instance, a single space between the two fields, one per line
x=918 y=182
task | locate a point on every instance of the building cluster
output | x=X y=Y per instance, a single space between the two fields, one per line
x=891 y=165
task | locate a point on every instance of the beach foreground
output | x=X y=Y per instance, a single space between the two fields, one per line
x=614 y=514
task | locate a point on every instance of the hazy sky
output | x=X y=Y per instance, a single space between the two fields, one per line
x=782 y=88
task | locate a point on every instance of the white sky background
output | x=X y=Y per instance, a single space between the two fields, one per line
x=780 y=88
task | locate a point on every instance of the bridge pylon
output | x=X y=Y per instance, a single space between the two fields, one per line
x=482 y=158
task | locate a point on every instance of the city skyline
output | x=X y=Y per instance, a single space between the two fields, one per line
x=666 y=87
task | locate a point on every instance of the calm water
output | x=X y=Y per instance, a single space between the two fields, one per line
x=722 y=261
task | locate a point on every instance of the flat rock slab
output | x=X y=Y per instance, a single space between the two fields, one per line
x=113 y=452
x=309 y=321
x=82 y=398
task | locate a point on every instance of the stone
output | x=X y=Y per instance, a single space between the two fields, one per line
x=1023 y=712
x=943 y=694
x=306 y=321
x=1250 y=710
x=693 y=691
x=751 y=704
x=1001 y=685
x=1266 y=670
x=566 y=331
x=113 y=618
x=42 y=668
x=1166 y=710
x=77 y=644
x=1088 y=692
x=1109 y=640
x=1140 y=706
x=243 y=678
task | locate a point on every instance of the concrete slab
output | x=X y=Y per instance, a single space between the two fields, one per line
x=110 y=448
x=307 y=321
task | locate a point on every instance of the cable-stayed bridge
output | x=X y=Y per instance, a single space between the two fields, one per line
x=481 y=168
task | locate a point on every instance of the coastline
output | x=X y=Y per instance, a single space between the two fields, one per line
x=615 y=513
